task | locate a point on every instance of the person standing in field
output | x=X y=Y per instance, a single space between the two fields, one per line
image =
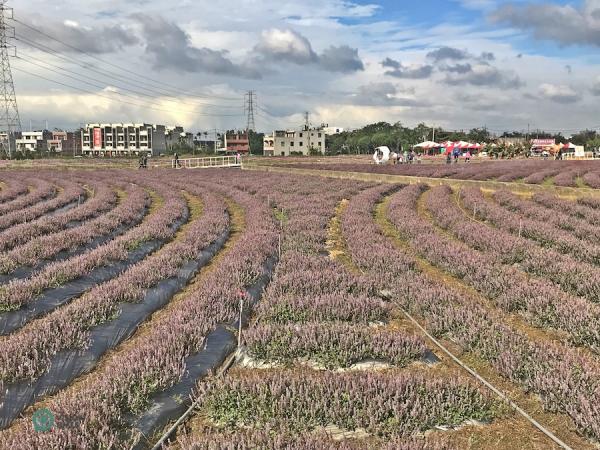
x=456 y=153
x=468 y=156
x=176 y=160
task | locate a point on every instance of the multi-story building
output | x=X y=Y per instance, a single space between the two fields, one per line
x=66 y=142
x=121 y=139
x=237 y=143
x=286 y=143
x=31 y=141
x=207 y=142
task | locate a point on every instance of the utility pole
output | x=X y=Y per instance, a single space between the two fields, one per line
x=249 y=102
x=9 y=113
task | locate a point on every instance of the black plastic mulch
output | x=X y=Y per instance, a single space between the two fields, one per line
x=70 y=364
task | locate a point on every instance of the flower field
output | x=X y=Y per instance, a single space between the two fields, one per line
x=534 y=171
x=287 y=311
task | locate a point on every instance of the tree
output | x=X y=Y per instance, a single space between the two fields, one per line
x=256 y=142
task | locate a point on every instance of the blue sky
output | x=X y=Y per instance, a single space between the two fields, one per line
x=457 y=63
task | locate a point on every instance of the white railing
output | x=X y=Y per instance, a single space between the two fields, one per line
x=205 y=163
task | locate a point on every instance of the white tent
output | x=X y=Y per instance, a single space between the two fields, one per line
x=428 y=144
x=381 y=155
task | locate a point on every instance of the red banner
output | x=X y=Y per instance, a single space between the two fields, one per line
x=97 y=137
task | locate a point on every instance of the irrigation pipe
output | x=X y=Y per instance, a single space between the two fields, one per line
x=499 y=393
x=226 y=365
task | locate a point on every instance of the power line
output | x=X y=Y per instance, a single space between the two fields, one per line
x=85 y=81
x=156 y=83
x=108 y=75
x=120 y=100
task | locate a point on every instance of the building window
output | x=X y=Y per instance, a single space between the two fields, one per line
x=292 y=144
x=301 y=144
x=319 y=144
x=319 y=134
x=282 y=143
x=300 y=134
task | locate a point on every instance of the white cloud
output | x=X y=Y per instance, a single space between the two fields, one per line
x=71 y=23
x=314 y=64
x=596 y=87
x=286 y=45
x=559 y=93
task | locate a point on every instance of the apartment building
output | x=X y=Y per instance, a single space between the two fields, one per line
x=123 y=139
x=237 y=142
x=286 y=143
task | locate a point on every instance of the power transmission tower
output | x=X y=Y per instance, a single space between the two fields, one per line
x=9 y=113
x=250 y=101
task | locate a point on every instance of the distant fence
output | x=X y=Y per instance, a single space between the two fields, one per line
x=201 y=163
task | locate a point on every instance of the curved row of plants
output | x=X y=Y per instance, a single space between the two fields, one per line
x=576 y=277
x=29 y=353
x=385 y=404
x=104 y=199
x=129 y=212
x=562 y=377
x=39 y=190
x=563 y=233
x=592 y=179
x=70 y=192
x=316 y=310
x=155 y=360
x=159 y=225
x=15 y=185
x=582 y=209
x=555 y=228
x=493 y=274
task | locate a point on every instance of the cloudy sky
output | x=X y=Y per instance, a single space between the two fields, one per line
x=453 y=63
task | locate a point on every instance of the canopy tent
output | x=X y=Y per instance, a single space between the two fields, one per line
x=569 y=146
x=428 y=145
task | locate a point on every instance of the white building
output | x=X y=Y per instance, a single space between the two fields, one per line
x=286 y=143
x=31 y=141
x=120 y=139
x=330 y=131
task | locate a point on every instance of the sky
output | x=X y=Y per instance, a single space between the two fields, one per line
x=458 y=64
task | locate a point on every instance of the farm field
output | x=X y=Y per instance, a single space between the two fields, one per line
x=372 y=315
x=531 y=171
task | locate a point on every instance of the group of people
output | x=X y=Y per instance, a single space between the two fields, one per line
x=406 y=157
x=455 y=154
